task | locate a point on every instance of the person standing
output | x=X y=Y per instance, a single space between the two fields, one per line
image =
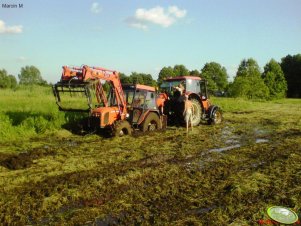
x=188 y=112
x=180 y=88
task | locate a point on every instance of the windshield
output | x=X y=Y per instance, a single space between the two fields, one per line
x=139 y=98
x=167 y=85
x=193 y=86
x=129 y=95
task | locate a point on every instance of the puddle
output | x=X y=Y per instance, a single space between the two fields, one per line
x=232 y=138
x=259 y=132
x=260 y=140
x=236 y=144
x=225 y=148
x=229 y=137
x=226 y=131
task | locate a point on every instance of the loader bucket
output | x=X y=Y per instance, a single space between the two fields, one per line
x=74 y=96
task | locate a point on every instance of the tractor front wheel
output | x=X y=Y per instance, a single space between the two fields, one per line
x=151 y=123
x=216 y=117
x=122 y=128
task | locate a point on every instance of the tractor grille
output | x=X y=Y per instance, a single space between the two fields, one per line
x=106 y=118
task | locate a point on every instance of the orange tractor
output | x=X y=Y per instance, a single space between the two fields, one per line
x=122 y=109
x=196 y=89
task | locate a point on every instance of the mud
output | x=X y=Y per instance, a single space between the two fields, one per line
x=24 y=159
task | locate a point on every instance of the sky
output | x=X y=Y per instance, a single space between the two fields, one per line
x=144 y=36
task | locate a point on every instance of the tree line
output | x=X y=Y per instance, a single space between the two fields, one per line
x=29 y=75
x=278 y=79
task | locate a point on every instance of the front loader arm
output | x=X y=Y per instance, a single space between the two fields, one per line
x=71 y=72
x=92 y=73
x=86 y=79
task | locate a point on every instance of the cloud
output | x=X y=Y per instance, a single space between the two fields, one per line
x=157 y=15
x=134 y=22
x=177 y=12
x=21 y=59
x=95 y=8
x=10 y=29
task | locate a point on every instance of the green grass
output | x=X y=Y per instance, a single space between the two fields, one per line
x=30 y=111
x=164 y=178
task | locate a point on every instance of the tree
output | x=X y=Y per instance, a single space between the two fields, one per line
x=180 y=70
x=195 y=73
x=124 y=79
x=12 y=81
x=274 y=79
x=30 y=75
x=291 y=67
x=165 y=72
x=248 y=68
x=251 y=88
x=140 y=78
x=248 y=82
x=7 y=81
x=216 y=76
x=148 y=80
x=137 y=78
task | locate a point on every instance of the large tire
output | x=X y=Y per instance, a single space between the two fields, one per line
x=122 y=128
x=197 y=112
x=216 y=117
x=151 y=122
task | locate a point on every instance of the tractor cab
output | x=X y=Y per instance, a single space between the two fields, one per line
x=140 y=96
x=196 y=89
x=190 y=84
x=141 y=102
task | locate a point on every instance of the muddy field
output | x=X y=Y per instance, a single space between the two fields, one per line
x=216 y=175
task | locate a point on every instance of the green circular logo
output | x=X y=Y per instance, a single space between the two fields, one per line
x=282 y=215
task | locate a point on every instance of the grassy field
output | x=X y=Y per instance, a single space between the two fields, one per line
x=216 y=175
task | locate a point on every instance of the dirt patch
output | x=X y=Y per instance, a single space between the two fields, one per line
x=291 y=133
x=24 y=159
x=243 y=112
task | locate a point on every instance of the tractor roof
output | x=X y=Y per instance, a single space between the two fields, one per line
x=139 y=86
x=148 y=88
x=182 y=78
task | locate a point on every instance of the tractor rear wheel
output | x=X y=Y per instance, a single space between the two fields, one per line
x=122 y=128
x=197 y=110
x=151 y=123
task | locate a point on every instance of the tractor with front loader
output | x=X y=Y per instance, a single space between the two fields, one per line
x=196 y=89
x=111 y=105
